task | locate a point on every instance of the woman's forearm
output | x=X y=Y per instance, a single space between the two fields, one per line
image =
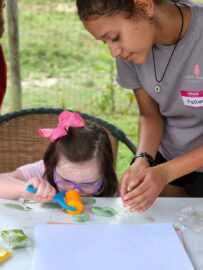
x=150 y=133
x=151 y=123
x=185 y=164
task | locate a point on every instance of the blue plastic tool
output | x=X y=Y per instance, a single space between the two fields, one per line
x=59 y=198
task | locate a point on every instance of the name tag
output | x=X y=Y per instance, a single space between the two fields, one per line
x=192 y=98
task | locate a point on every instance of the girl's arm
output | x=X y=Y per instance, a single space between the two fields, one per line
x=12 y=185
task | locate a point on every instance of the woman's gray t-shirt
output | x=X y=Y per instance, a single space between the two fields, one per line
x=181 y=96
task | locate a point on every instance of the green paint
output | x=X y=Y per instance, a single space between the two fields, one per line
x=17 y=206
x=88 y=201
x=81 y=217
x=104 y=211
x=50 y=205
x=150 y=219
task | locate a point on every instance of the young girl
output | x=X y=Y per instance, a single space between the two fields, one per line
x=158 y=48
x=79 y=157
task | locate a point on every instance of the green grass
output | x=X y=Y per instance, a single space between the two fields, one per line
x=63 y=66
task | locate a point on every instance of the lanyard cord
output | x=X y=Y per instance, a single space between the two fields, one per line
x=169 y=60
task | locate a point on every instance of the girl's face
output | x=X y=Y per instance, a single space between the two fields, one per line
x=129 y=39
x=83 y=176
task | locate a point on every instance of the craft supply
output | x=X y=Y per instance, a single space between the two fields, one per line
x=59 y=198
x=72 y=198
x=50 y=205
x=122 y=246
x=81 y=217
x=17 y=206
x=88 y=201
x=4 y=255
x=104 y=211
x=15 y=238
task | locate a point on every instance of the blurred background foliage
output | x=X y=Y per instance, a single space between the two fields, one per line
x=63 y=66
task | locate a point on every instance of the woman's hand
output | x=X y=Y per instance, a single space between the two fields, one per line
x=45 y=191
x=138 y=165
x=142 y=187
x=126 y=182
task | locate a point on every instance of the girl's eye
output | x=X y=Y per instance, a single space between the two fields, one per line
x=63 y=179
x=115 y=39
x=66 y=180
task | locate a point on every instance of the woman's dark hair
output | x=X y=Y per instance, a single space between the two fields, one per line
x=95 y=8
x=83 y=144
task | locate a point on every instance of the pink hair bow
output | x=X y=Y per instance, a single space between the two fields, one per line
x=66 y=119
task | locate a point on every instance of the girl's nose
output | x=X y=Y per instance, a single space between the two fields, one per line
x=115 y=50
x=77 y=189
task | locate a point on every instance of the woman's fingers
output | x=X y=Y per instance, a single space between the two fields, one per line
x=144 y=193
x=135 y=182
x=124 y=184
x=141 y=207
x=136 y=197
x=144 y=188
x=139 y=187
x=142 y=202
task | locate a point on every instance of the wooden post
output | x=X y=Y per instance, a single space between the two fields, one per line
x=12 y=16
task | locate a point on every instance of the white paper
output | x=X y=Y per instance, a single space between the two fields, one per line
x=109 y=247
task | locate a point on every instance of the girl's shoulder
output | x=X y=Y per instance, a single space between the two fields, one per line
x=31 y=170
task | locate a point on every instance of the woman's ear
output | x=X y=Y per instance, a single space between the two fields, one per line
x=147 y=6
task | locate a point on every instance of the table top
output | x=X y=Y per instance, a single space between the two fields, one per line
x=183 y=213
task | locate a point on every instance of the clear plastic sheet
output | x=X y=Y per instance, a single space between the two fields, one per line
x=188 y=218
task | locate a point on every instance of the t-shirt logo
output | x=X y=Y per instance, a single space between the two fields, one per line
x=196 y=70
x=192 y=98
x=196 y=75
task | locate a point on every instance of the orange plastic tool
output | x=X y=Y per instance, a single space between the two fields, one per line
x=72 y=198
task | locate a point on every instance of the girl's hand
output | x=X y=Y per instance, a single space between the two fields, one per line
x=45 y=191
x=144 y=187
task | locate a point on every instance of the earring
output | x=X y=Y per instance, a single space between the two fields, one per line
x=150 y=15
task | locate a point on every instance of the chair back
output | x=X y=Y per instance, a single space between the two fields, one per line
x=20 y=143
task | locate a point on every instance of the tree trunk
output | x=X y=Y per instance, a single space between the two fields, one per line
x=12 y=16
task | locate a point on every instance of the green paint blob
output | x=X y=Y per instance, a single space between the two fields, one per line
x=16 y=206
x=50 y=205
x=104 y=211
x=88 y=201
x=81 y=217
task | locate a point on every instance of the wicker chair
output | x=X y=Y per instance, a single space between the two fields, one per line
x=20 y=144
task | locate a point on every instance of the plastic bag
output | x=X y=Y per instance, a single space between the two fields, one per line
x=15 y=238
